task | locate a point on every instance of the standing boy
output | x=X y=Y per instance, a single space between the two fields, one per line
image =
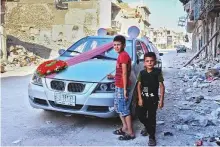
x=122 y=88
x=149 y=81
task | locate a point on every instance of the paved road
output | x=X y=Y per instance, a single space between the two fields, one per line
x=23 y=125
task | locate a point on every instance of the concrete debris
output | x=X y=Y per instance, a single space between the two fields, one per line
x=199 y=143
x=182 y=127
x=168 y=134
x=48 y=122
x=16 y=141
x=216 y=114
x=160 y=122
x=2 y=69
x=20 y=57
x=212 y=73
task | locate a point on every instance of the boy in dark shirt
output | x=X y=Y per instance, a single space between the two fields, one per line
x=149 y=81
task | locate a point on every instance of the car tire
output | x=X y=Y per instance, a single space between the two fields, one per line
x=133 y=105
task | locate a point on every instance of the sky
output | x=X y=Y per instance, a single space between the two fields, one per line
x=164 y=13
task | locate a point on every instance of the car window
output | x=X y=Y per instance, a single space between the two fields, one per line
x=155 y=50
x=139 y=50
x=144 y=47
x=87 y=44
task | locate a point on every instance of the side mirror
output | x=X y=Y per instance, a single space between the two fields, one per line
x=161 y=54
x=61 y=51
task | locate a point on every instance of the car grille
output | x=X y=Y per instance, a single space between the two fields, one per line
x=57 y=85
x=76 y=87
x=71 y=87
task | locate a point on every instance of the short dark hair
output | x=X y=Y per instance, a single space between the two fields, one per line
x=150 y=54
x=120 y=38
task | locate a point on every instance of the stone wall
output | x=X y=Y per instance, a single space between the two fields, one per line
x=39 y=23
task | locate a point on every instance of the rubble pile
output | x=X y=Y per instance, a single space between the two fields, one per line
x=201 y=74
x=193 y=94
x=18 y=56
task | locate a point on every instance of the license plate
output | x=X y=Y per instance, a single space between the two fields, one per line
x=65 y=99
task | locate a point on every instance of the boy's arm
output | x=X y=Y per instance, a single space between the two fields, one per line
x=139 y=90
x=124 y=77
x=162 y=90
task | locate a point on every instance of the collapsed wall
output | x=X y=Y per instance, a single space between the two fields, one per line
x=42 y=28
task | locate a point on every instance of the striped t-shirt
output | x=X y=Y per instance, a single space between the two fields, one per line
x=122 y=58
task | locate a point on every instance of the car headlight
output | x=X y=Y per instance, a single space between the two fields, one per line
x=36 y=79
x=105 y=87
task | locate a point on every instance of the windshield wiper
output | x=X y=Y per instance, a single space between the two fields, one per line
x=105 y=57
x=74 y=51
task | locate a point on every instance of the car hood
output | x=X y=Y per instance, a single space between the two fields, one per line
x=94 y=70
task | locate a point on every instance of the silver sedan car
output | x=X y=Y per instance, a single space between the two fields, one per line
x=84 y=88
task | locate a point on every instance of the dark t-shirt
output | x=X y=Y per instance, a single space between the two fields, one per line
x=150 y=82
x=122 y=58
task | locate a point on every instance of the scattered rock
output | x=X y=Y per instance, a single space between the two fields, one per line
x=188 y=90
x=216 y=114
x=212 y=139
x=215 y=98
x=203 y=85
x=199 y=143
x=217 y=66
x=16 y=141
x=9 y=67
x=160 y=122
x=199 y=99
x=48 y=122
x=20 y=56
x=168 y=134
x=182 y=127
x=2 y=69
x=212 y=73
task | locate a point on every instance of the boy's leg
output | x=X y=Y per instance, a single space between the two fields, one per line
x=125 y=112
x=128 y=120
x=152 y=111
x=142 y=115
x=124 y=125
x=118 y=105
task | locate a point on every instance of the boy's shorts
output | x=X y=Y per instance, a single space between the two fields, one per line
x=122 y=105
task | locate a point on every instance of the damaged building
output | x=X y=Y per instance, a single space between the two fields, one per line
x=203 y=21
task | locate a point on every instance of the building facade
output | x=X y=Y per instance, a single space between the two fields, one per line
x=165 y=38
x=203 y=22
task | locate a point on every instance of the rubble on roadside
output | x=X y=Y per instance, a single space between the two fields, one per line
x=18 y=56
x=196 y=100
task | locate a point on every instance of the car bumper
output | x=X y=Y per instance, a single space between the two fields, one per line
x=93 y=104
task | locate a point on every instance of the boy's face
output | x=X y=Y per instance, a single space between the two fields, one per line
x=149 y=62
x=118 y=46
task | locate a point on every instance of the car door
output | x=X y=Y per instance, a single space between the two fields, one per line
x=139 y=53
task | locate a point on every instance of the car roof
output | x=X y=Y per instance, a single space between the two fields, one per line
x=111 y=37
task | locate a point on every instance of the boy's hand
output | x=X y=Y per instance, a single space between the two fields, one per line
x=140 y=102
x=110 y=76
x=125 y=94
x=160 y=105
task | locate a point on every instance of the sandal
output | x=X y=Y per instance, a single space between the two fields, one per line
x=126 y=137
x=119 y=132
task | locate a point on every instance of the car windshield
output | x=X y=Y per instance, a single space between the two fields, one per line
x=87 y=44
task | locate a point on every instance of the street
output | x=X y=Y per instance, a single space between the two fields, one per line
x=23 y=125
